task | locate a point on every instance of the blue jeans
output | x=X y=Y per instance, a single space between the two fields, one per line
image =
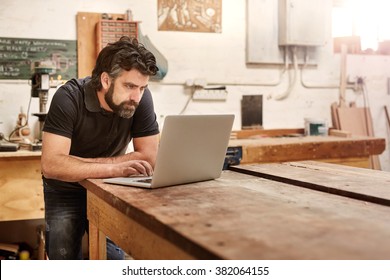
x=66 y=223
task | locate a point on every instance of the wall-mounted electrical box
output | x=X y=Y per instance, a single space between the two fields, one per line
x=263 y=20
x=302 y=22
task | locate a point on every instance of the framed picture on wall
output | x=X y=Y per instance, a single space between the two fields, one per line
x=190 y=15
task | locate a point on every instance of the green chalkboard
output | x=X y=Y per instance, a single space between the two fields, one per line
x=18 y=55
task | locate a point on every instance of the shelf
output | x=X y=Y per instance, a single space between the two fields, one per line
x=109 y=31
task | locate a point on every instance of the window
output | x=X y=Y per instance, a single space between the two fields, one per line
x=364 y=25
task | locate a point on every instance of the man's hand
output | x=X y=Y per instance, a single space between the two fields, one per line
x=131 y=168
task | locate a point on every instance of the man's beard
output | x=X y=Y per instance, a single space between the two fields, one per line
x=125 y=109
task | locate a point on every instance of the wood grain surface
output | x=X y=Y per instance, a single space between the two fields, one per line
x=241 y=216
x=283 y=149
x=20 y=186
x=358 y=183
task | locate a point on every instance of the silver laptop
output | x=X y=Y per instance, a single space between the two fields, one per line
x=192 y=149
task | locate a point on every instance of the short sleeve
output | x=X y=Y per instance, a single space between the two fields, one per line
x=62 y=114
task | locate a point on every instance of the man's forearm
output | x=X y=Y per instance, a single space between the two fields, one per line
x=74 y=169
x=57 y=164
x=117 y=159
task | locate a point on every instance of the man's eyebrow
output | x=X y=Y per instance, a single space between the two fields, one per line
x=129 y=84
x=132 y=84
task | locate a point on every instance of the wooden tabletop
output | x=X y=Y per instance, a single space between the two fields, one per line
x=367 y=185
x=20 y=153
x=241 y=216
x=282 y=149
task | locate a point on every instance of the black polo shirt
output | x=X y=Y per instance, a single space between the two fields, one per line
x=75 y=113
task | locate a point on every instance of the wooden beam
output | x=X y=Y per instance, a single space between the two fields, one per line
x=330 y=178
x=343 y=75
x=307 y=148
x=253 y=133
x=387 y=116
x=339 y=133
x=86 y=41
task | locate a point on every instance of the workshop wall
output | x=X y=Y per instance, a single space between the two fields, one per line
x=218 y=58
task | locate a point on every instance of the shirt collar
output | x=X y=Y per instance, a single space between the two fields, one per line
x=91 y=99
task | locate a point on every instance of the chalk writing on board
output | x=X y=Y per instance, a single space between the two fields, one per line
x=18 y=55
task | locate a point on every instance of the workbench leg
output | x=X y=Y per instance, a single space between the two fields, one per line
x=97 y=243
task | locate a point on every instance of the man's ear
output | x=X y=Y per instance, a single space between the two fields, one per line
x=105 y=80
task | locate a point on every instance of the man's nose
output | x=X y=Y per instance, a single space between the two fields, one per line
x=136 y=95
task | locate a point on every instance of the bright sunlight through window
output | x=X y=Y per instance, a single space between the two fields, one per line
x=365 y=18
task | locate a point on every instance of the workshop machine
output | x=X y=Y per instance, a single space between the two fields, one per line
x=40 y=85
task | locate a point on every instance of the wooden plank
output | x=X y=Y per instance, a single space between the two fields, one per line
x=244 y=217
x=359 y=122
x=368 y=119
x=86 y=41
x=361 y=162
x=306 y=148
x=86 y=38
x=363 y=184
x=339 y=133
x=353 y=119
x=374 y=160
x=335 y=117
x=258 y=133
x=94 y=244
x=356 y=120
x=365 y=174
x=343 y=75
x=20 y=153
x=387 y=116
x=21 y=188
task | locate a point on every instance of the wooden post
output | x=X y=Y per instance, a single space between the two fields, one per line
x=343 y=75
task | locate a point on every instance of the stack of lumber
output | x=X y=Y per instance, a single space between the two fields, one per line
x=354 y=121
x=351 y=119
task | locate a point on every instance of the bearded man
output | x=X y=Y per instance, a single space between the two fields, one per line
x=86 y=134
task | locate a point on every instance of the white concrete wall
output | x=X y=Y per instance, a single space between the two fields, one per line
x=217 y=57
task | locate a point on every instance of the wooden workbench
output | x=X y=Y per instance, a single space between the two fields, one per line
x=21 y=186
x=21 y=199
x=269 y=146
x=248 y=216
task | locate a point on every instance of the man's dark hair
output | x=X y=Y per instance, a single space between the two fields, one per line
x=125 y=54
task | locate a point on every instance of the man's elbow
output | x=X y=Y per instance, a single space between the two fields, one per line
x=47 y=170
